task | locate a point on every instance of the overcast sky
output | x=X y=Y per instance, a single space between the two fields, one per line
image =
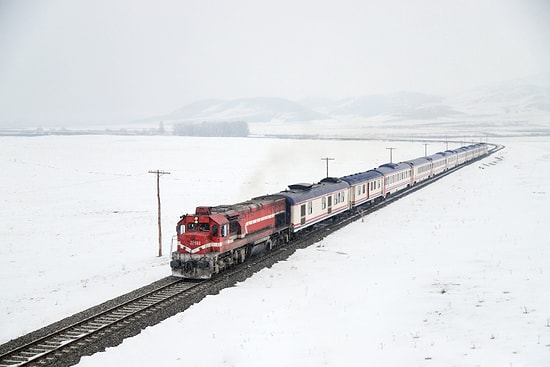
x=112 y=61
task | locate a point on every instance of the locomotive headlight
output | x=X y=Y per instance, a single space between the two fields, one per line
x=196 y=219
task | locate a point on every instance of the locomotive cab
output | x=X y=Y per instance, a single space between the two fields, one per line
x=201 y=233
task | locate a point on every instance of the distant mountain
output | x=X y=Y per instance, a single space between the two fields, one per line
x=510 y=99
x=246 y=109
x=519 y=96
x=404 y=104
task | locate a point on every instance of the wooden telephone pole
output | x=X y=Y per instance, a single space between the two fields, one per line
x=159 y=173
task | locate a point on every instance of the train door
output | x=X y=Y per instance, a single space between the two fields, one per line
x=303 y=214
x=329 y=207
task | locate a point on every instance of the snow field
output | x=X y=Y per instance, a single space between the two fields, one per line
x=455 y=274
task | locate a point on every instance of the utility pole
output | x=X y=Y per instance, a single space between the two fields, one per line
x=391 y=154
x=159 y=173
x=426 y=149
x=327 y=159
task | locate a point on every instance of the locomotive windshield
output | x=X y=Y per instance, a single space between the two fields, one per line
x=200 y=227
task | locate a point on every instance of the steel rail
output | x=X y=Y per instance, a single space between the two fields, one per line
x=61 y=339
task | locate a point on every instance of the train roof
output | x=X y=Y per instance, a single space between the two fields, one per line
x=234 y=209
x=390 y=168
x=436 y=156
x=418 y=161
x=475 y=146
x=361 y=177
x=461 y=150
x=304 y=191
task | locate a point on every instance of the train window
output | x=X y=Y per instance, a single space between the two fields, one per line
x=234 y=227
x=204 y=227
x=310 y=207
x=224 y=230
x=363 y=189
x=215 y=230
x=191 y=227
x=359 y=190
x=181 y=229
x=324 y=202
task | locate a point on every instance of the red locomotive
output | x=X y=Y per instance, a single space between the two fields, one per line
x=218 y=237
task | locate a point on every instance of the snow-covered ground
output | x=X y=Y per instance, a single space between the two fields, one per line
x=456 y=274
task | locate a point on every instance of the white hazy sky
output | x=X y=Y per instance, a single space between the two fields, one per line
x=110 y=61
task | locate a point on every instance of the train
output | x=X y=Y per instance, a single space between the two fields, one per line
x=215 y=238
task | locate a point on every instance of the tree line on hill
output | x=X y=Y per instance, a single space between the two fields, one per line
x=212 y=128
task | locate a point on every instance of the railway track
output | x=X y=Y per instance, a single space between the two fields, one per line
x=46 y=349
x=66 y=345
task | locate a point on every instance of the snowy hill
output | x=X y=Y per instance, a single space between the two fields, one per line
x=404 y=104
x=515 y=99
x=247 y=109
x=530 y=95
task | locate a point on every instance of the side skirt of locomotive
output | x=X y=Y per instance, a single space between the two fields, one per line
x=204 y=266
